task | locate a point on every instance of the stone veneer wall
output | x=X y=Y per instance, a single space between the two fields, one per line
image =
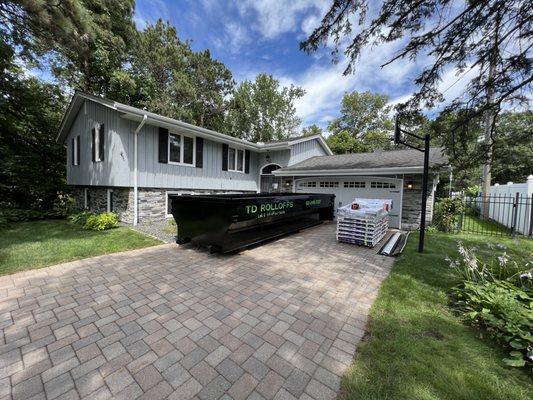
x=412 y=202
x=97 y=200
x=152 y=202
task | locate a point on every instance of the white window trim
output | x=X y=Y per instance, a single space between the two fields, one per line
x=109 y=191
x=243 y=159
x=181 y=135
x=75 y=150
x=97 y=155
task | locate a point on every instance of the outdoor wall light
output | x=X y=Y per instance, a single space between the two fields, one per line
x=409 y=185
x=267 y=158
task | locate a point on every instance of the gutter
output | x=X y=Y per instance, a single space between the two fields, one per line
x=136 y=114
x=351 y=171
x=136 y=172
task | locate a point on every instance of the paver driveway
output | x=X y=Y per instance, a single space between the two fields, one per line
x=277 y=321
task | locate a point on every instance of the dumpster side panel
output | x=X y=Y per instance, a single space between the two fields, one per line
x=229 y=222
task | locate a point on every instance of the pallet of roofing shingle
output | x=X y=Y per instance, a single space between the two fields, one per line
x=364 y=222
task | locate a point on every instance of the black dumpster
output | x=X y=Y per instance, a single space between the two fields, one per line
x=229 y=222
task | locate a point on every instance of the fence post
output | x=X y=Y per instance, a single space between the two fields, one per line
x=515 y=212
x=530 y=216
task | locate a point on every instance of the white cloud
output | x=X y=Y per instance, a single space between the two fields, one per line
x=235 y=37
x=325 y=83
x=275 y=18
x=453 y=85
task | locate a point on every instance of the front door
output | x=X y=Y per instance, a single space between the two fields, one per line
x=270 y=184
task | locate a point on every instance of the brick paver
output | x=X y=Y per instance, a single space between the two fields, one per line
x=278 y=321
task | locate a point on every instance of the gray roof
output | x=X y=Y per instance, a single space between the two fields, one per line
x=138 y=115
x=290 y=139
x=376 y=160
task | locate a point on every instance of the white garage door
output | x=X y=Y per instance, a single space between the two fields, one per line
x=347 y=189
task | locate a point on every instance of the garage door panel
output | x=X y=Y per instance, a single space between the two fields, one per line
x=347 y=189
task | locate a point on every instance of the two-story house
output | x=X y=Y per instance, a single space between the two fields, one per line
x=128 y=160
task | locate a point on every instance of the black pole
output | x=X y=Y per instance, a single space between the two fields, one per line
x=424 y=195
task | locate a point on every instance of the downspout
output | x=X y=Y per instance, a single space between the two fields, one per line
x=136 y=172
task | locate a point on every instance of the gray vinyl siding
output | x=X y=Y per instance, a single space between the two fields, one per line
x=117 y=167
x=153 y=174
x=114 y=170
x=280 y=157
x=304 y=150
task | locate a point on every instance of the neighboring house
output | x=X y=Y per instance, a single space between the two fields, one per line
x=128 y=160
x=121 y=156
x=395 y=175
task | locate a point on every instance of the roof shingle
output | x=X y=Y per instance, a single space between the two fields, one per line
x=380 y=159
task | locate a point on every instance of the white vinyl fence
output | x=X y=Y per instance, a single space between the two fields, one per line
x=512 y=205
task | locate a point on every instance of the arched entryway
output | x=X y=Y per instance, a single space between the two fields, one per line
x=270 y=182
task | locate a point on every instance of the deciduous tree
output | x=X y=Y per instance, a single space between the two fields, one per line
x=366 y=117
x=343 y=142
x=312 y=130
x=262 y=110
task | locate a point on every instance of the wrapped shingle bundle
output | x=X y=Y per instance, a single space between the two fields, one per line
x=363 y=222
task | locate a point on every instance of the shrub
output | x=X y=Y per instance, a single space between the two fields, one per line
x=473 y=191
x=101 y=222
x=497 y=296
x=65 y=203
x=18 y=215
x=447 y=213
x=80 y=218
x=505 y=311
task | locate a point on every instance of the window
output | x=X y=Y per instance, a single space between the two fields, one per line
x=97 y=134
x=235 y=159
x=76 y=150
x=354 y=184
x=382 y=185
x=325 y=184
x=231 y=159
x=181 y=149
x=307 y=184
x=240 y=160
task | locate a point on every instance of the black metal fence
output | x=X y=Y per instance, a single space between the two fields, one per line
x=497 y=215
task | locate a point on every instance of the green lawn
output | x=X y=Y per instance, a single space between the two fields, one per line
x=35 y=244
x=417 y=348
x=474 y=224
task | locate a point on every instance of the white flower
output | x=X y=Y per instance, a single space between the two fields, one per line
x=503 y=259
x=526 y=275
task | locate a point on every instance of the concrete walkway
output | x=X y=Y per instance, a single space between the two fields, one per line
x=278 y=321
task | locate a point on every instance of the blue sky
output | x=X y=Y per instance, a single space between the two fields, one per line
x=255 y=36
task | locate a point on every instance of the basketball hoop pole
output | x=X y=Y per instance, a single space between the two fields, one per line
x=426 y=138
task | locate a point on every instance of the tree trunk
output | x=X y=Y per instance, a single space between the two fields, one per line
x=489 y=120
